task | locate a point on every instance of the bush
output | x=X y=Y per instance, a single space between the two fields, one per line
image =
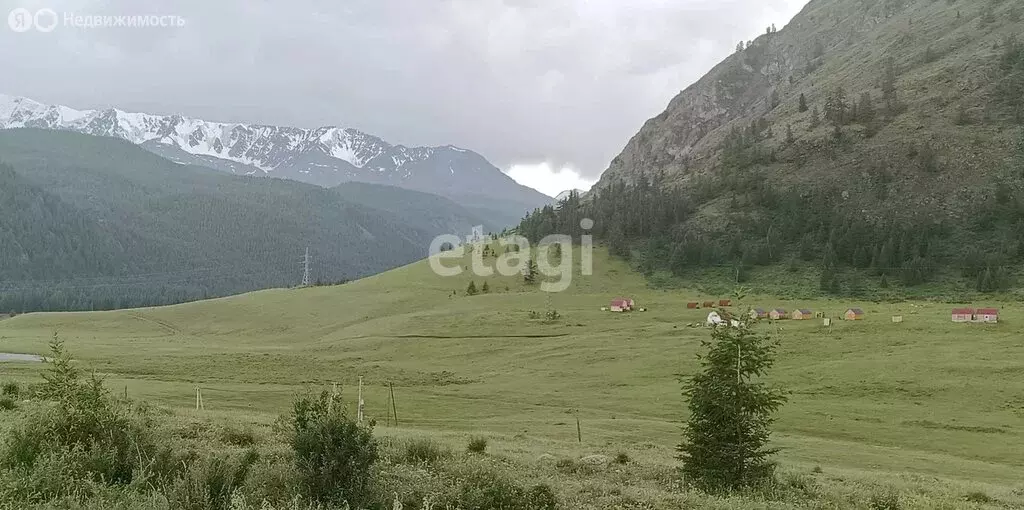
x=209 y=483
x=272 y=480
x=622 y=458
x=80 y=435
x=333 y=454
x=241 y=437
x=486 y=490
x=477 y=445
x=7 y=403
x=978 y=497
x=424 y=451
x=887 y=501
x=10 y=389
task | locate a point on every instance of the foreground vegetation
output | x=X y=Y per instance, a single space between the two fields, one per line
x=925 y=413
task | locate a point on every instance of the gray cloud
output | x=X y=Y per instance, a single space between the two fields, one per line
x=520 y=81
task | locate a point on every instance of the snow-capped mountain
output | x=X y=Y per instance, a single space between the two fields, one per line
x=326 y=156
x=565 y=194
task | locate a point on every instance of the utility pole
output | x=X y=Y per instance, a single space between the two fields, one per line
x=359 y=407
x=305 y=269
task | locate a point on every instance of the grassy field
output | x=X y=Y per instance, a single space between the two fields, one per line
x=920 y=403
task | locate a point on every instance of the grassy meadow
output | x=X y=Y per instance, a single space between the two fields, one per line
x=927 y=409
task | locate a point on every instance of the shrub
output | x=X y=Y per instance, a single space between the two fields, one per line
x=209 y=483
x=886 y=501
x=272 y=480
x=477 y=445
x=10 y=389
x=7 y=403
x=424 y=451
x=333 y=454
x=541 y=497
x=241 y=437
x=489 y=490
x=978 y=497
x=622 y=458
x=92 y=437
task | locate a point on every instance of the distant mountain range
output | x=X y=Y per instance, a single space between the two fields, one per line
x=325 y=156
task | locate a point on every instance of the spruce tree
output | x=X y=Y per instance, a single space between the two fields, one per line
x=530 y=272
x=471 y=289
x=803 y=103
x=485 y=288
x=724 y=445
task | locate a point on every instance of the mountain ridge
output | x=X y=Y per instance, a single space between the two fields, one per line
x=326 y=156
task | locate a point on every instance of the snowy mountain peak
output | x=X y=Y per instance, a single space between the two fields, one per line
x=565 y=194
x=326 y=156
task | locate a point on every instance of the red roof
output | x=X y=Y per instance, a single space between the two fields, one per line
x=963 y=311
x=620 y=301
x=988 y=311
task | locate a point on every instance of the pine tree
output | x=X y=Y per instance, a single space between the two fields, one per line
x=815 y=118
x=803 y=103
x=471 y=289
x=530 y=273
x=485 y=288
x=724 y=445
x=789 y=134
x=836 y=106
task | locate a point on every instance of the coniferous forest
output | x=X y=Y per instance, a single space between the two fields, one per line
x=89 y=223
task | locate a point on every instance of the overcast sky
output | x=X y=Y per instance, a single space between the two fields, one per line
x=548 y=90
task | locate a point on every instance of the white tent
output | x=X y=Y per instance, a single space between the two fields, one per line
x=714 y=319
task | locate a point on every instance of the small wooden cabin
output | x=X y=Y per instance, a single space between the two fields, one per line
x=621 y=305
x=709 y=304
x=693 y=305
x=963 y=314
x=759 y=313
x=725 y=302
x=854 y=314
x=986 y=315
x=777 y=314
x=802 y=314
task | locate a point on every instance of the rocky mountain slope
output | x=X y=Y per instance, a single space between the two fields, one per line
x=879 y=142
x=325 y=156
x=939 y=61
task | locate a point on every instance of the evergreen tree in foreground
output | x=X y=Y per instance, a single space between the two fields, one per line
x=724 y=444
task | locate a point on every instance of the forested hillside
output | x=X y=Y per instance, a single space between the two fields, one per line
x=877 y=143
x=96 y=223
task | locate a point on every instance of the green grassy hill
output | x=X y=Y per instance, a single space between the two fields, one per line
x=926 y=408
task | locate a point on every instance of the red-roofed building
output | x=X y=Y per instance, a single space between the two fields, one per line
x=963 y=314
x=986 y=315
x=621 y=305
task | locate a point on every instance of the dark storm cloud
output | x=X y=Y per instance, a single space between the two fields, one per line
x=521 y=81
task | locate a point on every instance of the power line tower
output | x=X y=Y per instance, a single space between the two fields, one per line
x=305 y=269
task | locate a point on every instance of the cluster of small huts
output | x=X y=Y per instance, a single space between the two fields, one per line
x=693 y=305
x=972 y=315
x=775 y=314
x=986 y=315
